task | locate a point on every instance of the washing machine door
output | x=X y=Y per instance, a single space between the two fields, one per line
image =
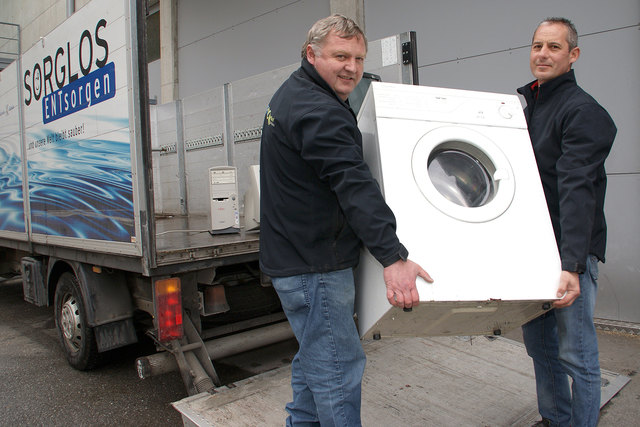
x=463 y=174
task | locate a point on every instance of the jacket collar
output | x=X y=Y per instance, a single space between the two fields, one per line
x=312 y=74
x=540 y=93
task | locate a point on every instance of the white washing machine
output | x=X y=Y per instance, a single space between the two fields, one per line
x=458 y=171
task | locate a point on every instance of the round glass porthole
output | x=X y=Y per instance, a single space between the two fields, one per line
x=460 y=177
x=463 y=174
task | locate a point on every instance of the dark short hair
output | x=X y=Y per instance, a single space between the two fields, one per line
x=572 y=34
x=343 y=26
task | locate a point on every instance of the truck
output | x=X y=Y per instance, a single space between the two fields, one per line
x=135 y=219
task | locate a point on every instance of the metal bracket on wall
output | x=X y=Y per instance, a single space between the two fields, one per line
x=168 y=149
x=410 y=55
x=247 y=135
x=193 y=144
x=208 y=141
x=406 y=53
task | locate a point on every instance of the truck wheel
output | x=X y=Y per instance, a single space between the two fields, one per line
x=78 y=339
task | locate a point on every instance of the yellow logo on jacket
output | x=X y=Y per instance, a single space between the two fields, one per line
x=270 y=118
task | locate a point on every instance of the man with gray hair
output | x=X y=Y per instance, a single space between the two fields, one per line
x=571 y=136
x=319 y=203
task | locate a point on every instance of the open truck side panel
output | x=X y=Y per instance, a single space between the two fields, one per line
x=79 y=131
x=12 y=215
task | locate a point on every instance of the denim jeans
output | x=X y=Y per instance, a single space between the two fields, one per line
x=326 y=373
x=563 y=342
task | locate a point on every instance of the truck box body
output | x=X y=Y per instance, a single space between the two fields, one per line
x=78 y=129
x=72 y=137
x=105 y=202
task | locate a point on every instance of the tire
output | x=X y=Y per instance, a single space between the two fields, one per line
x=77 y=338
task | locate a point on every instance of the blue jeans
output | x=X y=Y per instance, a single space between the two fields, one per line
x=326 y=373
x=563 y=342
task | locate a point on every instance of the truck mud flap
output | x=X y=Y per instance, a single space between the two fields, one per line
x=115 y=334
x=33 y=281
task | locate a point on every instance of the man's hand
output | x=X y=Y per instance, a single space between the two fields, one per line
x=569 y=283
x=400 y=279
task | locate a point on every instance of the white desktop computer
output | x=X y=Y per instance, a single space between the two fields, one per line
x=223 y=196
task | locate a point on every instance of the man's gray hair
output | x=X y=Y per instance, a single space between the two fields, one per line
x=572 y=34
x=343 y=26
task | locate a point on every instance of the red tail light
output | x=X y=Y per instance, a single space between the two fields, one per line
x=168 y=302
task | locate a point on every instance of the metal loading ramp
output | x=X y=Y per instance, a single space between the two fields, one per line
x=407 y=382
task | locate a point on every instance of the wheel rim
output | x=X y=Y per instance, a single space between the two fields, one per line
x=71 y=322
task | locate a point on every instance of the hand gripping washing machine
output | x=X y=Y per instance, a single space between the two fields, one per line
x=458 y=171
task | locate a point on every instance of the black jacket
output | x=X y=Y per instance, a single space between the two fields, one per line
x=571 y=136
x=318 y=200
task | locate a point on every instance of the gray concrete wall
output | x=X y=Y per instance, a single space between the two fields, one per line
x=219 y=42
x=36 y=17
x=466 y=44
x=475 y=45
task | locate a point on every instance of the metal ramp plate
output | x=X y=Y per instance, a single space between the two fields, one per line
x=408 y=381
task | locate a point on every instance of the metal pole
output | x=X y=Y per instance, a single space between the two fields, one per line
x=180 y=151
x=228 y=125
x=23 y=149
x=71 y=7
x=164 y=362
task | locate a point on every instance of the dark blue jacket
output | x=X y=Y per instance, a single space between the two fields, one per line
x=571 y=136
x=318 y=200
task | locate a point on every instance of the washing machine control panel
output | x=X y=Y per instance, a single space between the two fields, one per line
x=505 y=111
x=449 y=105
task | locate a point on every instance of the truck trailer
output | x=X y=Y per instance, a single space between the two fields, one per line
x=133 y=218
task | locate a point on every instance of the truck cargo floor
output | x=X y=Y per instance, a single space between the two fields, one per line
x=407 y=382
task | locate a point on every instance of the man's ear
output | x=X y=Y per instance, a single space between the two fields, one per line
x=574 y=55
x=311 y=55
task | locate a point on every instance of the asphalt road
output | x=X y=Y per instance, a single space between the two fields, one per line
x=39 y=388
